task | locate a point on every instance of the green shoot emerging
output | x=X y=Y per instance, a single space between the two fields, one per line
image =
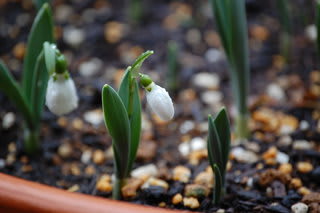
x=218 y=150
x=173 y=66
x=230 y=17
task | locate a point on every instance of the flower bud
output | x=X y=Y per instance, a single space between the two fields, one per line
x=160 y=101
x=61 y=97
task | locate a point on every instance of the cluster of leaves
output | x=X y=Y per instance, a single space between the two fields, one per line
x=122 y=114
x=218 y=150
x=29 y=97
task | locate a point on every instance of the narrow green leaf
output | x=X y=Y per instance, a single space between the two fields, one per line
x=223 y=129
x=117 y=122
x=39 y=3
x=129 y=87
x=172 y=58
x=138 y=62
x=218 y=184
x=214 y=144
x=284 y=14
x=11 y=88
x=41 y=31
x=38 y=92
x=50 y=57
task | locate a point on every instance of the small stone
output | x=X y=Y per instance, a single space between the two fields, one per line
x=285 y=168
x=282 y=157
x=147 y=150
x=8 y=120
x=271 y=153
x=86 y=156
x=114 y=31
x=98 y=157
x=195 y=144
x=221 y=211
x=315 y=175
x=90 y=67
x=304 y=167
x=130 y=189
x=206 y=80
x=311 y=32
x=244 y=156
x=302 y=145
x=214 y=55
x=73 y=36
x=94 y=117
x=145 y=172
x=63 y=13
x=65 y=150
x=104 y=184
x=26 y=168
x=176 y=199
x=313 y=197
x=269 y=175
x=2 y=163
x=193 y=36
x=211 y=97
x=276 y=92
x=186 y=126
x=196 y=190
x=279 y=189
x=74 y=188
x=75 y=170
x=19 y=50
x=196 y=156
x=299 y=208
x=304 y=125
x=77 y=124
x=162 y=204
x=285 y=140
x=182 y=174
x=205 y=179
x=12 y=148
x=90 y=170
x=304 y=191
x=62 y=121
x=191 y=202
x=155 y=182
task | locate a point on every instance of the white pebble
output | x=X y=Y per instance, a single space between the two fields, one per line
x=299 y=208
x=244 y=156
x=86 y=156
x=186 y=126
x=8 y=120
x=285 y=140
x=91 y=67
x=184 y=148
x=206 y=80
x=282 y=157
x=94 y=117
x=211 y=97
x=73 y=36
x=63 y=13
x=302 y=145
x=198 y=143
x=2 y=163
x=304 y=125
x=148 y=170
x=311 y=32
x=214 y=55
x=276 y=92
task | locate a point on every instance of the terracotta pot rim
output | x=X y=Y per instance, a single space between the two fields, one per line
x=18 y=195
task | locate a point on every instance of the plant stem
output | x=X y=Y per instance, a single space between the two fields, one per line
x=242 y=130
x=116 y=191
x=131 y=91
x=31 y=140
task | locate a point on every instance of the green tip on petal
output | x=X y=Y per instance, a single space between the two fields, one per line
x=145 y=80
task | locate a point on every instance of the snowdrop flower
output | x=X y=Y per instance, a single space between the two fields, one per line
x=157 y=98
x=61 y=97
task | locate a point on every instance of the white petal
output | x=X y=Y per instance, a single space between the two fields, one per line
x=61 y=97
x=160 y=102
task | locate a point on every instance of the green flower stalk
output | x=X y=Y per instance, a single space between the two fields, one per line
x=122 y=116
x=43 y=62
x=218 y=151
x=230 y=17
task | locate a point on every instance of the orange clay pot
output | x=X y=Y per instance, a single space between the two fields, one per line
x=22 y=196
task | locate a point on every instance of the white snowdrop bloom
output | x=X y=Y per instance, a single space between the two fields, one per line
x=61 y=97
x=160 y=101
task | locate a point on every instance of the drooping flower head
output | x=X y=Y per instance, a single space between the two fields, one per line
x=158 y=98
x=61 y=96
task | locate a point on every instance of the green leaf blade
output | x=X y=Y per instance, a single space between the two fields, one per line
x=223 y=129
x=214 y=144
x=41 y=31
x=12 y=89
x=139 y=61
x=125 y=91
x=118 y=125
x=218 y=188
